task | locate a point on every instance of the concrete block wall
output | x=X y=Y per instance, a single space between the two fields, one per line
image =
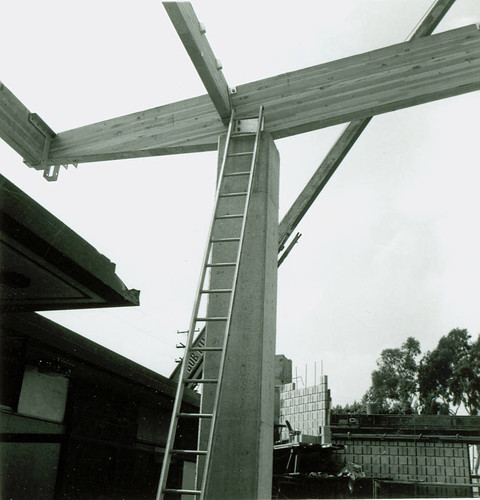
x=432 y=462
x=307 y=409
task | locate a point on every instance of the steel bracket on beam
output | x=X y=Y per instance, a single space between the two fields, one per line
x=40 y=125
x=50 y=172
x=247 y=126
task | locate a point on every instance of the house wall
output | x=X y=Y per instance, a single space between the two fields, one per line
x=72 y=430
x=30 y=448
x=29 y=456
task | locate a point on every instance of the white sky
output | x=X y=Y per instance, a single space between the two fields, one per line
x=389 y=250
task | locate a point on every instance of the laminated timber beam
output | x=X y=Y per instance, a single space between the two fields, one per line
x=193 y=37
x=188 y=126
x=395 y=77
x=347 y=139
x=25 y=132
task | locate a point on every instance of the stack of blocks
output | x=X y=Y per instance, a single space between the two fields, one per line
x=432 y=462
x=308 y=411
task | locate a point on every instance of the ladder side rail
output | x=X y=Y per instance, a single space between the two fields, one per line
x=190 y=334
x=211 y=438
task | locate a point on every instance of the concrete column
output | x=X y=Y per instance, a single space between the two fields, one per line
x=241 y=464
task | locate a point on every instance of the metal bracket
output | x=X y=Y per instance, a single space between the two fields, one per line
x=289 y=249
x=246 y=126
x=50 y=172
x=40 y=125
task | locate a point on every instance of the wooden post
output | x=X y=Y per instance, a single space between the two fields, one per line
x=241 y=463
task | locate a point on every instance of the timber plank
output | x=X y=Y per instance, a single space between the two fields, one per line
x=354 y=70
x=309 y=99
x=396 y=77
x=195 y=42
x=186 y=126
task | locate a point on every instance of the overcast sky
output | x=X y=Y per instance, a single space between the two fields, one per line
x=389 y=250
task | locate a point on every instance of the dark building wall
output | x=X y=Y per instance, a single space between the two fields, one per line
x=29 y=455
x=73 y=429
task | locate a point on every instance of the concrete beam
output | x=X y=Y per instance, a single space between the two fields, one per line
x=192 y=34
x=356 y=87
x=241 y=463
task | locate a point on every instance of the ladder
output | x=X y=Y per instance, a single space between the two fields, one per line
x=237 y=184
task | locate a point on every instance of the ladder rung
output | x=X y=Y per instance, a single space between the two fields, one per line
x=242 y=153
x=218 y=290
x=233 y=216
x=224 y=240
x=235 y=174
x=222 y=264
x=196 y=415
x=189 y=452
x=201 y=380
x=201 y=349
x=231 y=195
x=183 y=492
x=213 y=318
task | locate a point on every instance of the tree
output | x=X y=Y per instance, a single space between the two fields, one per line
x=449 y=376
x=354 y=408
x=394 y=384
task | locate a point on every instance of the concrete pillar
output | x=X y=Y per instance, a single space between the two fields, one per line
x=241 y=464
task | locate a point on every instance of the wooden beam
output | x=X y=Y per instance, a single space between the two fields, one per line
x=431 y=19
x=25 y=132
x=193 y=38
x=186 y=126
x=356 y=87
x=319 y=179
x=347 y=139
x=376 y=82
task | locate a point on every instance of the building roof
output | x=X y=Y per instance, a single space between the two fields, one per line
x=44 y=265
x=64 y=351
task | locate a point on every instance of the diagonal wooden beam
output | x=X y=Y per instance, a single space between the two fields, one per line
x=431 y=19
x=319 y=179
x=24 y=131
x=396 y=77
x=347 y=139
x=193 y=37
